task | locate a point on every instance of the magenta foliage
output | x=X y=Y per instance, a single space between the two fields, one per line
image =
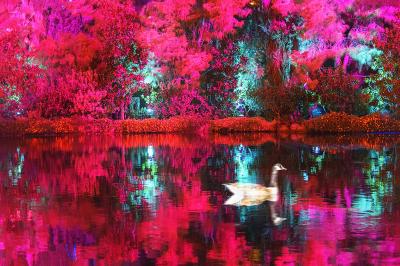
x=221 y=81
x=59 y=20
x=187 y=102
x=86 y=57
x=18 y=78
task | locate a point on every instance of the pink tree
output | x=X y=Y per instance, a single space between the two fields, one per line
x=334 y=29
x=70 y=80
x=183 y=35
x=116 y=27
x=19 y=75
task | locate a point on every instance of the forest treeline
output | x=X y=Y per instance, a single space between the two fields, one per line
x=211 y=58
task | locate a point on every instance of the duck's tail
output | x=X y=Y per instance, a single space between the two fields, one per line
x=236 y=197
x=232 y=189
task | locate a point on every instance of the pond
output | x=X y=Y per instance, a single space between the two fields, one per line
x=159 y=199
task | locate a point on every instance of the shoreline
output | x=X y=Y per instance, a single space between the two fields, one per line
x=332 y=143
x=329 y=124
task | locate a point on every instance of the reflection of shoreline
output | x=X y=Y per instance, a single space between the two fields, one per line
x=79 y=142
x=368 y=141
x=158 y=197
x=67 y=143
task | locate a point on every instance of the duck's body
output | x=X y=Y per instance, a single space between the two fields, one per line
x=251 y=190
x=247 y=194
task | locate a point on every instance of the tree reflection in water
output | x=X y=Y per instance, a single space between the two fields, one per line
x=159 y=199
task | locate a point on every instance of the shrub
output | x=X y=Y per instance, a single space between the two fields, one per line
x=243 y=124
x=187 y=103
x=87 y=101
x=174 y=124
x=63 y=126
x=337 y=90
x=378 y=123
x=282 y=103
x=343 y=123
x=40 y=127
x=46 y=127
x=95 y=126
x=332 y=122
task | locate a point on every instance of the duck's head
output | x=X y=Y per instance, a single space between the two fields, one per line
x=278 y=167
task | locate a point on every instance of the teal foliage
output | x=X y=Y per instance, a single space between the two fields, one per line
x=285 y=32
x=151 y=72
x=248 y=78
x=365 y=55
x=148 y=88
x=10 y=101
x=377 y=102
x=305 y=44
x=285 y=39
x=152 y=78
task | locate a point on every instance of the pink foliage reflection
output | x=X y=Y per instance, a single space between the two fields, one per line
x=158 y=199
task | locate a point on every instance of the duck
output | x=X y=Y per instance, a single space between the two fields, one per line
x=249 y=194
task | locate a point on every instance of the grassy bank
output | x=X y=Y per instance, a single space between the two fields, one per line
x=45 y=127
x=330 y=123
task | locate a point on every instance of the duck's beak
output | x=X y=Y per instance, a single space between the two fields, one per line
x=283 y=168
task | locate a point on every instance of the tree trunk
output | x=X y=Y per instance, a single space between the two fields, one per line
x=122 y=110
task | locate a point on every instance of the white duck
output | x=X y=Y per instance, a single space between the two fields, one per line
x=248 y=194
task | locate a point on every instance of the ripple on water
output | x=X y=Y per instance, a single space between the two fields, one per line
x=158 y=199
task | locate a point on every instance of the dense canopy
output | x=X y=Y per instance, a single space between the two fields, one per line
x=212 y=58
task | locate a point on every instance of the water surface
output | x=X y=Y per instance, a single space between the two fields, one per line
x=158 y=199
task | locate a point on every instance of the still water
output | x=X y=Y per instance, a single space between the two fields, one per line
x=159 y=199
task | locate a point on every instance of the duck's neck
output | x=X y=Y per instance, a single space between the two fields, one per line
x=274 y=176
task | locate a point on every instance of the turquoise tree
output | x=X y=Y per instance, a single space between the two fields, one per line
x=188 y=39
x=384 y=84
x=266 y=42
x=150 y=91
x=250 y=60
x=249 y=79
